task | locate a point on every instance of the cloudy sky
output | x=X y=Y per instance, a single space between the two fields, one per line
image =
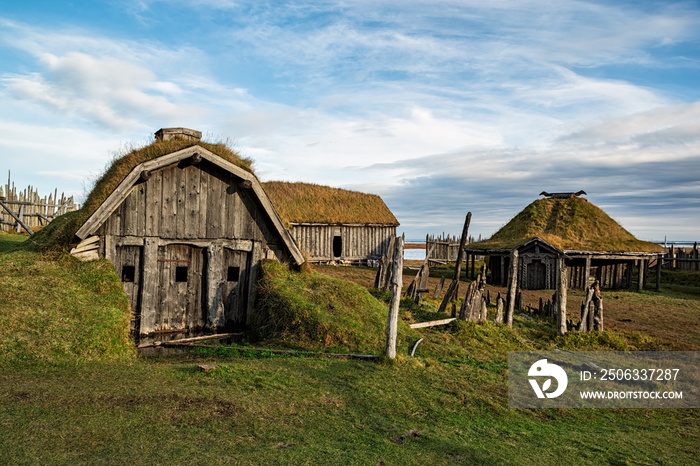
x=441 y=107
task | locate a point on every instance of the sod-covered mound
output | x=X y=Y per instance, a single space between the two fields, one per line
x=309 y=310
x=55 y=309
x=568 y=224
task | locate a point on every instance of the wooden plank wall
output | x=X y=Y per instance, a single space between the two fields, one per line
x=359 y=242
x=33 y=210
x=191 y=202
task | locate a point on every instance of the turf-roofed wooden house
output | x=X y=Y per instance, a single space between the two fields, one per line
x=594 y=246
x=186 y=224
x=332 y=224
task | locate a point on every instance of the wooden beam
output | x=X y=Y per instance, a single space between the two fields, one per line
x=396 y=284
x=19 y=221
x=432 y=323
x=145 y=175
x=453 y=289
x=512 y=287
x=561 y=297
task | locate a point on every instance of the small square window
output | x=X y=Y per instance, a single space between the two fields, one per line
x=233 y=274
x=128 y=273
x=181 y=274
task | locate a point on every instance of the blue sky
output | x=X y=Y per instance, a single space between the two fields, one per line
x=441 y=107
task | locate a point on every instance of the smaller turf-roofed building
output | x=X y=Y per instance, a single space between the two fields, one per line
x=333 y=224
x=595 y=246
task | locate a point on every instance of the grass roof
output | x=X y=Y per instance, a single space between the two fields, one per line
x=62 y=233
x=568 y=224
x=312 y=203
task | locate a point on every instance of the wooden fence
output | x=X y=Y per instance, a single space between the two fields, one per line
x=446 y=247
x=26 y=210
x=681 y=258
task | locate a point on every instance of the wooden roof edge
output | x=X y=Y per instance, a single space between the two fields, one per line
x=123 y=189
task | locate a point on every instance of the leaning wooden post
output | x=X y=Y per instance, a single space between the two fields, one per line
x=659 y=261
x=512 y=287
x=454 y=286
x=561 y=297
x=598 y=312
x=640 y=285
x=396 y=284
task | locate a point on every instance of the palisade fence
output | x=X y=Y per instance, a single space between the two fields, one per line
x=25 y=210
x=681 y=257
x=446 y=247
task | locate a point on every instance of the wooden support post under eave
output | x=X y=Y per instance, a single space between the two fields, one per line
x=561 y=297
x=396 y=284
x=587 y=273
x=512 y=287
x=659 y=262
x=640 y=285
x=149 y=284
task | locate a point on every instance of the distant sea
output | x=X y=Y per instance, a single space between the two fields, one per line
x=414 y=254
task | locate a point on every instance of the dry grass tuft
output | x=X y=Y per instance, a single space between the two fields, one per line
x=568 y=224
x=312 y=203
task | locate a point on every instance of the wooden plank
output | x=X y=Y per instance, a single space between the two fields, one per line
x=433 y=323
x=169 y=201
x=192 y=175
x=214 y=287
x=149 y=286
x=216 y=196
x=181 y=216
x=561 y=297
x=396 y=284
x=253 y=271
x=204 y=179
x=512 y=288
x=154 y=203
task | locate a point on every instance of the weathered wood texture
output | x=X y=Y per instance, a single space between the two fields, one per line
x=27 y=208
x=453 y=289
x=561 y=296
x=446 y=247
x=190 y=202
x=396 y=284
x=512 y=288
x=352 y=243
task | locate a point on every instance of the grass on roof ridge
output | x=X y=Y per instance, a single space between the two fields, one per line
x=568 y=224
x=298 y=202
x=60 y=233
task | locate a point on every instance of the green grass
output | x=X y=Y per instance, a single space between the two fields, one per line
x=571 y=224
x=66 y=402
x=60 y=309
x=313 y=311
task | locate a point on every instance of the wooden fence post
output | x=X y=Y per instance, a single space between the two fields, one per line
x=561 y=297
x=396 y=284
x=659 y=262
x=512 y=287
x=454 y=286
x=642 y=266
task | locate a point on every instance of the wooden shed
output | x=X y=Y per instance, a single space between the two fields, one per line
x=186 y=232
x=594 y=246
x=334 y=225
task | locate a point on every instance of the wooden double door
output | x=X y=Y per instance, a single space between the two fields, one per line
x=191 y=291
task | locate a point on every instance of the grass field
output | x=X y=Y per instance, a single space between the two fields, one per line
x=448 y=405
